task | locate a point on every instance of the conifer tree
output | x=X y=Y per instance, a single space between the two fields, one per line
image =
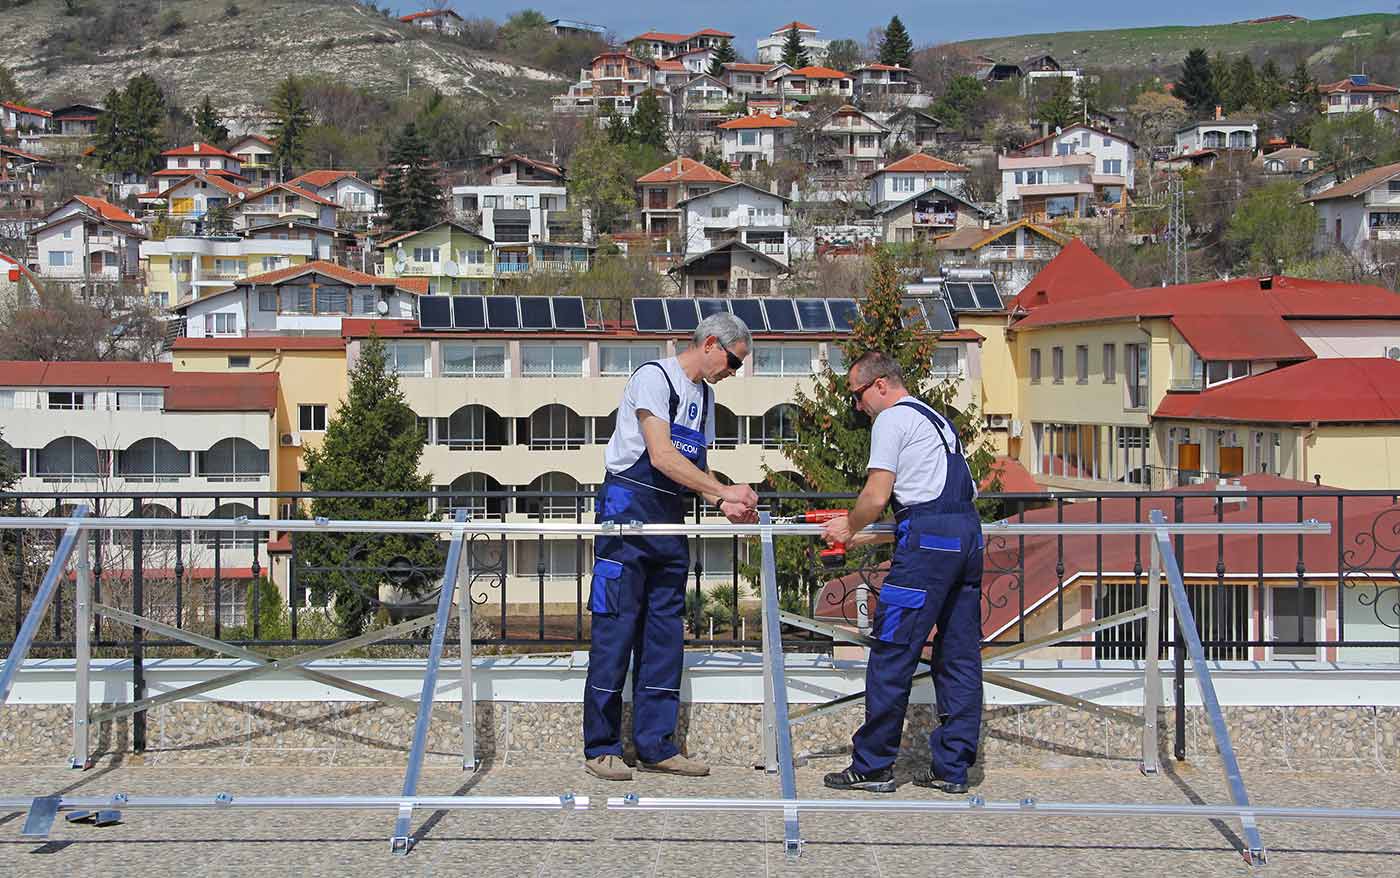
x=724 y=54
x=412 y=193
x=648 y=125
x=1196 y=87
x=211 y=128
x=794 y=52
x=1242 y=86
x=896 y=47
x=128 y=137
x=291 y=119
x=1059 y=110
x=373 y=443
x=1269 y=86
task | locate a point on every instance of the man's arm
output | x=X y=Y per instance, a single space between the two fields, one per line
x=664 y=456
x=879 y=484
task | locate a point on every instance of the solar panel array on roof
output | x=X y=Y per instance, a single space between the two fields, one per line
x=812 y=315
x=843 y=313
x=751 y=312
x=940 y=319
x=960 y=294
x=760 y=315
x=682 y=314
x=502 y=312
x=986 y=295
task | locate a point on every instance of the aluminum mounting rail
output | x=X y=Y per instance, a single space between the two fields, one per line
x=42 y=598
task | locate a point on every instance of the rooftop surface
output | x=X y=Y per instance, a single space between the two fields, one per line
x=596 y=842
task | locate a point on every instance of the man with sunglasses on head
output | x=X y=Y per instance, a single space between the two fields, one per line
x=655 y=461
x=935 y=579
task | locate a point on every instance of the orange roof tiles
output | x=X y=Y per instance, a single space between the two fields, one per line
x=917 y=163
x=21 y=108
x=816 y=72
x=320 y=266
x=759 y=120
x=684 y=170
x=1075 y=273
x=428 y=13
x=106 y=209
x=1330 y=390
x=185 y=391
x=199 y=149
x=1347 y=85
x=317 y=179
x=1359 y=184
x=789 y=26
x=214 y=180
x=741 y=67
x=295 y=190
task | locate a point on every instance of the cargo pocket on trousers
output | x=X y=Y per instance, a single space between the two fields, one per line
x=616 y=500
x=603 y=594
x=896 y=612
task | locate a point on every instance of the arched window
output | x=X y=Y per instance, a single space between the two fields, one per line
x=472 y=426
x=150 y=537
x=466 y=492
x=532 y=504
x=240 y=539
x=603 y=428
x=152 y=460
x=556 y=427
x=67 y=459
x=728 y=428
x=1240 y=140
x=15 y=457
x=233 y=460
x=1213 y=140
x=776 y=427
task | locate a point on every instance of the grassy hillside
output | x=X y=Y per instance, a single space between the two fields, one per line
x=237 y=50
x=1164 y=47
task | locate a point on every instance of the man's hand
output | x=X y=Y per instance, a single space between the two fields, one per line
x=738 y=513
x=742 y=495
x=838 y=530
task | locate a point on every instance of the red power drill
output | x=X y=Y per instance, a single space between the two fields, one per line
x=833 y=555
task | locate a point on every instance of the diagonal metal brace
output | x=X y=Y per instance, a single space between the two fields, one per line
x=272 y=667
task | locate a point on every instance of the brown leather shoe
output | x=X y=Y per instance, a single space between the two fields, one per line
x=678 y=764
x=608 y=767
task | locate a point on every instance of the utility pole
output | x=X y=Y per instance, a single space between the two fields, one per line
x=1176 y=227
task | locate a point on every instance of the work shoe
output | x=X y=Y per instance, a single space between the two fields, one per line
x=881 y=781
x=678 y=764
x=927 y=777
x=608 y=767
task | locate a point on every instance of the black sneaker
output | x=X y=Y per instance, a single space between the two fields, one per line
x=927 y=777
x=875 y=782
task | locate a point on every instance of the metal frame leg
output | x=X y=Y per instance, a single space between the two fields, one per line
x=1151 y=671
x=82 y=640
x=42 y=598
x=773 y=661
x=464 y=637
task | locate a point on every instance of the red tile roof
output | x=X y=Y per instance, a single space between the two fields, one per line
x=711 y=32
x=670 y=64
x=318 y=179
x=320 y=266
x=21 y=108
x=1337 y=390
x=789 y=26
x=920 y=162
x=660 y=37
x=1079 y=125
x=1015 y=478
x=428 y=13
x=685 y=170
x=741 y=67
x=262 y=343
x=295 y=190
x=758 y=120
x=184 y=391
x=1359 y=184
x=1216 y=337
x=199 y=149
x=214 y=180
x=881 y=67
x=547 y=167
x=1347 y=85
x=1075 y=273
x=27 y=156
x=816 y=72
x=106 y=209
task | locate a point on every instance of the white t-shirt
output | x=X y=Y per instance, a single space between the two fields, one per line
x=647 y=389
x=904 y=442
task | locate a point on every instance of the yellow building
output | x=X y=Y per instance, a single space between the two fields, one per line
x=183 y=267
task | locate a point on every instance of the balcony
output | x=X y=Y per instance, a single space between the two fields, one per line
x=512 y=267
x=1017 y=254
x=1383 y=197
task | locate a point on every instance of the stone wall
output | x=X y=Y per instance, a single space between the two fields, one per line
x=532 y=733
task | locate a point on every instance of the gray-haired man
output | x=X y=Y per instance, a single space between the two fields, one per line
x=655 y=460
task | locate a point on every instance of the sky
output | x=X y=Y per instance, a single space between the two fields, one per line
x=929 y=21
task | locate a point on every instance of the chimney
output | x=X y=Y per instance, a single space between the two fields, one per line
x=1217 y=112
x=1266 y=282
x=196 y=147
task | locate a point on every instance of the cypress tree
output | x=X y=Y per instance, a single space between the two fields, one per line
x=412 y=193
x=724 y=54
x=291 y=119
x=1196 y=86
x=896 y=47
x=794 y=53
x=373 y=443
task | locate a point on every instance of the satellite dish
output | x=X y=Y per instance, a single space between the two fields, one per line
x=382 y=307
x=449 y=268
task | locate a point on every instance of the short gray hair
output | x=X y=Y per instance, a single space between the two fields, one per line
x=874 y=365
x=725 y=327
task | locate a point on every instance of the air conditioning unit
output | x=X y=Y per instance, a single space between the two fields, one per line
x=1393 y=353
x=998 y=422
x=1015 y=430
x=291 y=439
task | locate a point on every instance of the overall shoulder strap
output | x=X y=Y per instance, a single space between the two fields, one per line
x=675 y=399
x=935 y=420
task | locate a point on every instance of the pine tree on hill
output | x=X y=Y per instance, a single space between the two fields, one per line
x=896 y=47
x=373 y=443
x=648 y=125
x=794 y=52
x=724 y=54
x=291 y=119
x=128 y=137
x=412 y=193
x=1059 y=110
x=1196 y=86
x=211 y=128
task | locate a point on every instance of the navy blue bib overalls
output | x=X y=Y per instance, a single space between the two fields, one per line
x=638 y=601
x=934 y=579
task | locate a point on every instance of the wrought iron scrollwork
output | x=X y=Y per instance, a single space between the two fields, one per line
x=1371 y=567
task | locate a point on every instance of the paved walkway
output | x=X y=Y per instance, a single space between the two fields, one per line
x=598 y=843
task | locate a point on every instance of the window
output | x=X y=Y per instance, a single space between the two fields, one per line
x=471 y=426
x=1113 y=166
x=474 y=257
x=945 y=363
x=551 y=360
x=60 y=258
x=67 y=459
x=140 y=400
x=267 y=300
x=69 y=400
x=221 y=323
x=748 y=138
x=296 y=299
x=624 y=359
x=903 y=183
x=719 y=213
x=7 y=399
x=152 y=460
x=789 y=360
x=1220 y=371
x=366 y=301
x=1385 y=219
x=1081 y=364
x=556 y=427
x=1393 y=187
x=552 y=559
x=1294 y=619
x=867 y=141
x=425 y=254
x=836 y=358
x=1137 y=375
x=1110 y=363
x=272 y=263
x=1035 y=365
x=1084 y=139
x=1057 y=364
x=241 y=362
x=776 y=427
x=311 y=417
x=466 y=360
x=68 y=233
x=407 y=358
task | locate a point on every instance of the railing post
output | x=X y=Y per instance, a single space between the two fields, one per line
x=82 y=641
x=138 y=666
x=464 y=635
x=1179 y=652
x=1152 y=672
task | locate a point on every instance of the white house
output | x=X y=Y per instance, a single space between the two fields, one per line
x=813 y=80
x=201 y=158
x=873 y=80
x=1220 y=133
x=901 y=180
x=254 y=154
x=282 y=201
x=310 y=298
x=86 y=240
x=746 y=79
x=356 y=199
x=747 y=140
x=856 y=140
x=1361 y=212
x=517 y=213
x=1043 y=188
x=1114 y=155
x=705 y=93
x=443 y=21
x=752 y=216
x=18 y=117
x=1357 y=93
x=770 y=48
